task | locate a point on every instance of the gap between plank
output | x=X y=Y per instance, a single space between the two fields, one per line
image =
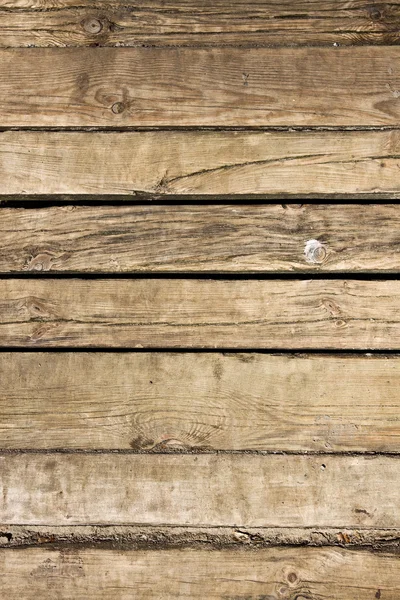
x=210 y=276
x=161 y=449
x=170 y=536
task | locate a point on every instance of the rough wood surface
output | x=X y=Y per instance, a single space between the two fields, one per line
x=202 y=163
x=208 y=23
x=201 y=238
x=166 y=402
x=235 y=490
x=190 y=313
x=148 y=537
x=289 y=573
x=200 y=87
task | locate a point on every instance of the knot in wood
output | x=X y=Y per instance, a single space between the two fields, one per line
x=375 y=13
x=92 y=25
x=315 y=252
x=118 y=108
x=292 y=577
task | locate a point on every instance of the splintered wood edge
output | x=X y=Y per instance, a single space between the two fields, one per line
x=163 y=537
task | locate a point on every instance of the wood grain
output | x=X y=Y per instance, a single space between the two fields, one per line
x=190 y=313
x=161 y=164
x=291 y=573
x=27 y=23
x=164 y=401
x=197 y=238
x=200 y=87
x=200 y=490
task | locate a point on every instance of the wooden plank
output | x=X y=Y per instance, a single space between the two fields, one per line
x=234 y=490
x=189 y=313
x=200 y=87
x=163 y=402
x=295 y=573
x=209 y=23
x=202 y=163
x=196 y=238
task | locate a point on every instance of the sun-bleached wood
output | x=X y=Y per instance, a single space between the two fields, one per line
x=200 y=87
x=106 y=574
x=195 y=313
x=240 y=490
x=207 y=23
x=269 y=238
x=164 y=401
x=152 y=164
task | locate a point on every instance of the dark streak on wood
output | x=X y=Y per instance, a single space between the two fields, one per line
x=158 y=538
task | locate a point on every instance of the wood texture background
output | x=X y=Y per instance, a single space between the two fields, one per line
x=141 y=145
x=199 y=402
x=205 y=164
x=226 y=238
x=191 y=23
x=195 y=575
x=233 y=490
x=201 y=313
x=193 y=87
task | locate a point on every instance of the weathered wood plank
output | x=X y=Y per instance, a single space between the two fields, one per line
x=189 y=313
x=200 y=490
x=196 y=238
x=292 y=573
x=203 y=163
x=182 y=401
x=209 y=23
x=200 y=87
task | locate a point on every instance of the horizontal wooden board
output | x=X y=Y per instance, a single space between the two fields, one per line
x=161 y=164
x=190 y=313
x=164 y=401
x=200 y=87
x=208 y=23
x=292 y=573
x=200 y=490
x=201 y=238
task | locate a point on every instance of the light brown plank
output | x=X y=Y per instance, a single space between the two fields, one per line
x=206 y=23
x=200 y=87
x=188 y=313
x=203 y=163
x=291 y=573
x=163 y=401
x=196 y=238
x=235 y=490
